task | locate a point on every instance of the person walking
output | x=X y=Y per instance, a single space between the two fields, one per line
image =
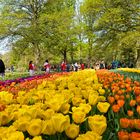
x=12 y=68
x=97 y=66
x=102 y=65
x=63 y=66
x=47 y=67
x=68 y=67
x=76 y=66
x=2 y=69
x=82 y=66
x=31 y=68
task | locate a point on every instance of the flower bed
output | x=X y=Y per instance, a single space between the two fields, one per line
x=133 y=70
x=76 y=105
x=66 y=107
x=124 y=98
x=134 y=73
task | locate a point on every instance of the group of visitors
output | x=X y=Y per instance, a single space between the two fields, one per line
x=32 y=67
x=71 y=67
x=113 y=65
x=63 y=67
x=66 y=67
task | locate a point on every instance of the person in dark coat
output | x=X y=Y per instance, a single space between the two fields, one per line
x=2 y=69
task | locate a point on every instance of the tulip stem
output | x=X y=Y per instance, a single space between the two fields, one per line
x=86 y=125
x=53 y=137
x=59 y=136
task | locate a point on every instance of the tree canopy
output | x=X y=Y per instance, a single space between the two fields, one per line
x=72 y=30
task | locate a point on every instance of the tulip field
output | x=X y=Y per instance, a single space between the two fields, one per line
x=83 y=105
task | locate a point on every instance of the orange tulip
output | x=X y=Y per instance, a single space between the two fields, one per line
x=136 y=123
x=12 y=84
x=138 y=99
x=136 y=83
x=129 y=89
x=135 y=136
x=122 y=86
x=132 y=103
x=116 y=108
x=120 y=92
x=116 y=97
x=138 y=109
x=111 y=99
x=124 y=122
x=132 y=123
x=123 y=135
x=127 y=80
x=130 y=113
x=137 y=91
x=122 y=97
x=127 y=96
x=120 y=103
x=127 y=85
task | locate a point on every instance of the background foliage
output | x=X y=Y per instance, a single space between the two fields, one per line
x=72 y=30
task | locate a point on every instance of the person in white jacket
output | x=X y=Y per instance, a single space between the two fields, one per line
x=47 y=67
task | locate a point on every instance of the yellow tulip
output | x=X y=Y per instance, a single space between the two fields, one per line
x=35 y=127
x=101 y=98
x=75 y=109
x=71 y=85
x=97 y=123
x=101 y=91
x=103 y=107
x=85 y=107
x=60 y=122
x=77 y=100
x=96 y=86
x=21 y=124
x=7 y=131
x=14 y=116
x=48 y=128
x=78 y=116
x=93 y=99
x=37 y=138
x=21 y=93
x=90 y=135
x=65 y=108
x=41 y=114
x=49 y=113
x=130 y=70
x=54 y=104
x=1 y=136
x=12 y=108
x=72 y=131
x=16 y=136
x=85 y=94
x=4 y=118
x=6 y=97
x=94 y=136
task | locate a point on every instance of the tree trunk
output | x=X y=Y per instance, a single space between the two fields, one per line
x=37 y=54
x=65 y=55
x=138 y=59
x=89 y=51
x=80 y=49
x=72 y=55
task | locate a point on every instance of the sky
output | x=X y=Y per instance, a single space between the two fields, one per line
x=3 y=46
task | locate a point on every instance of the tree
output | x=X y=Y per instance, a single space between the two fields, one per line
x=111 y=21
x=58 y=27
x=21 y=23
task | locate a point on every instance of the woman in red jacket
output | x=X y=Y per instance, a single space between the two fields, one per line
x=31 y=68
